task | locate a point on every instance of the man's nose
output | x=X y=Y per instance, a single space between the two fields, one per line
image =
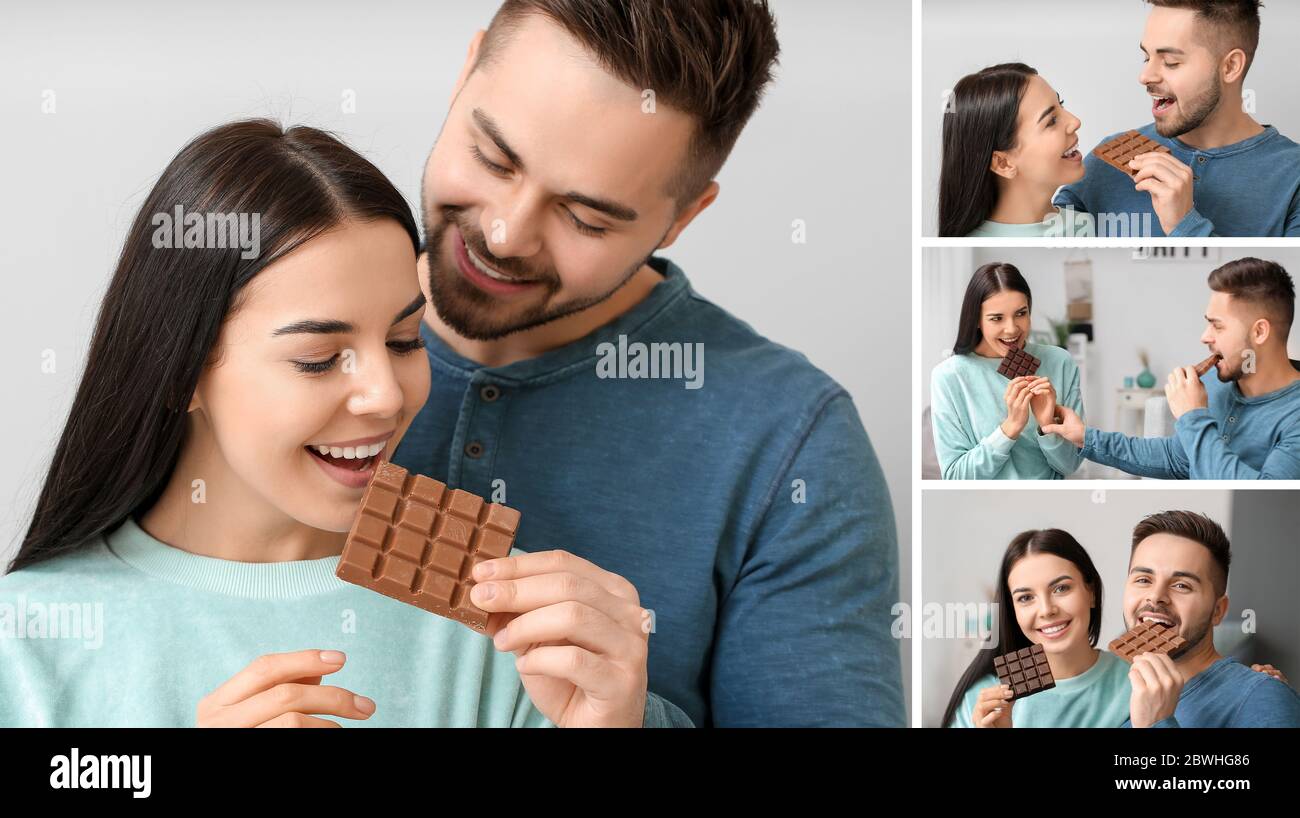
x=511 y=228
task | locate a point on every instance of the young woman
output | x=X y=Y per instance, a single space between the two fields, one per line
x=986 y=426
x=1008 y=144
x=255 y=357
x=1049 y=593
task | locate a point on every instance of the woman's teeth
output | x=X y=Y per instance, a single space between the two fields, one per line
x=351 y=452
x=1055 y=629
x=1072 y=153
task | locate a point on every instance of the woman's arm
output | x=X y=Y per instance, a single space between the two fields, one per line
x=961 y=455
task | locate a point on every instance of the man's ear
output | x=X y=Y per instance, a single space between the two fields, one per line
x=1261 y=330
x=1001 y=165
x=1220 y=610
x=689 y=213
x=475 y=43
x=1233 y=66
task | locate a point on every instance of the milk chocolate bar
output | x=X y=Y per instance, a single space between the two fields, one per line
x=1017 y=363
x=1146 y=638
x=1204 y=366
x=1026 y=671
x=418 y=542
x=1119 y=151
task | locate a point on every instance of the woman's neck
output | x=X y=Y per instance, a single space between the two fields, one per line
x=1019 y=204
x=207 y=510
x=1074 y=663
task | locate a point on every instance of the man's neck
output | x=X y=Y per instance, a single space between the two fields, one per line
x=1198 y=660
x=1274 y=372
x=1228 y=125
x=533 y=342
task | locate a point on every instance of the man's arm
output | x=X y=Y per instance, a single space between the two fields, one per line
x=659 y=712
x=1268 y=704
x=1211 y=459
x=803 y=635
x=1161 y=457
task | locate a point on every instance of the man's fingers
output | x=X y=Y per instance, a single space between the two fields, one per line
x=295 y=698
x=554 y=561
x=272 y=669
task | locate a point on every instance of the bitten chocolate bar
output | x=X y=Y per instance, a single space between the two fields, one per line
x=1204 y=366
x=418 y=542
x=1017 y=363
x=1146 y=638
x=1026 y=671
x=1119 y=151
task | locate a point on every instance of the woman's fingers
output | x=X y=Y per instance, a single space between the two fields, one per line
x=295 y=698
x=272 y=669
x=299 y=720
x=571 y=622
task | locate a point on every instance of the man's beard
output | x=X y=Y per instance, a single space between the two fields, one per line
x=1199 y=109
x=1193 y=638
x=472 y=313
x=1235 y=373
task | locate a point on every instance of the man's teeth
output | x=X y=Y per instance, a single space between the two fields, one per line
x=1157 y=620
x=351 y=452
x=1056 y=628
x=486 y=270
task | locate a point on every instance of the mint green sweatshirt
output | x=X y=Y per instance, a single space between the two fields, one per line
x=1098 y=697
x=967 y=411
x=128 y=631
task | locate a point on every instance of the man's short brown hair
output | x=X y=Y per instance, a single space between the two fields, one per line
x=1195 y=527
x=1264 y=284
x=710 y=59
x=1228 y=24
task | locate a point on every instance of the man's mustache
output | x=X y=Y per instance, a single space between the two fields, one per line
x=474 y=241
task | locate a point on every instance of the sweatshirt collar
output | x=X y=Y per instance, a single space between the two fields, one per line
x=251 y=580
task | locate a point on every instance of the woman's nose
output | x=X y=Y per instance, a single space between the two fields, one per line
x=377 y=390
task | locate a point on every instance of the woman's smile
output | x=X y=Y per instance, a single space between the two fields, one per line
x=350 y=462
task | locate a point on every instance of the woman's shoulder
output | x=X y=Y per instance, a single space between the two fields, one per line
x=953 y=365
x=88 y=563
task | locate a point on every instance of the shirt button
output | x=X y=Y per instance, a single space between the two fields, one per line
x=1201 y=159
x=474 y=449
x=489 y=393
x=1225 y=438
x=1232 y=420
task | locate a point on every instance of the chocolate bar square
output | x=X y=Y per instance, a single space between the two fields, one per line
x=1025 y=670
x=417 y=542
x=1017 y=363
x=1119 y=151
x=1146 y=638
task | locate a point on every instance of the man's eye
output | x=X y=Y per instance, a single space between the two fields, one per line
x=488 y=163
x=583 y=227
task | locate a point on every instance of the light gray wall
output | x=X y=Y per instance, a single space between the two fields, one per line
x=1089 y=53
x=134 y=81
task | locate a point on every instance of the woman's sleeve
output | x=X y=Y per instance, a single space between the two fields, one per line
x=1062 y=455
x=961 y=456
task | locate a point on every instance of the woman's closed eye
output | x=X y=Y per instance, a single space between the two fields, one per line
x=316 y=367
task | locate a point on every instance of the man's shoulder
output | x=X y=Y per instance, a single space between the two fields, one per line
x=738 y=357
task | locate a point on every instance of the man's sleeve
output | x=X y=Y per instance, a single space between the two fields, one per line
x=1270 y=703
x=1211 y=459
x=1293 y=215
x=1069 y=196
x=659 y=712
x=1193 y=225
x=803 y=636
x=1161 y=457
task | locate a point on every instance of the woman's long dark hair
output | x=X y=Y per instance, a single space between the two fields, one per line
x=980 y=118
x=987 y=282
x=164 y=309
x=1010 y=636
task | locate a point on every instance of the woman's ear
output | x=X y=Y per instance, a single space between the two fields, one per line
x=1002 y=166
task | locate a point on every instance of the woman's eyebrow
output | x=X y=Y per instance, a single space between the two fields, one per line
x=415 y=304
x=316 y=326
x=1045 y=113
